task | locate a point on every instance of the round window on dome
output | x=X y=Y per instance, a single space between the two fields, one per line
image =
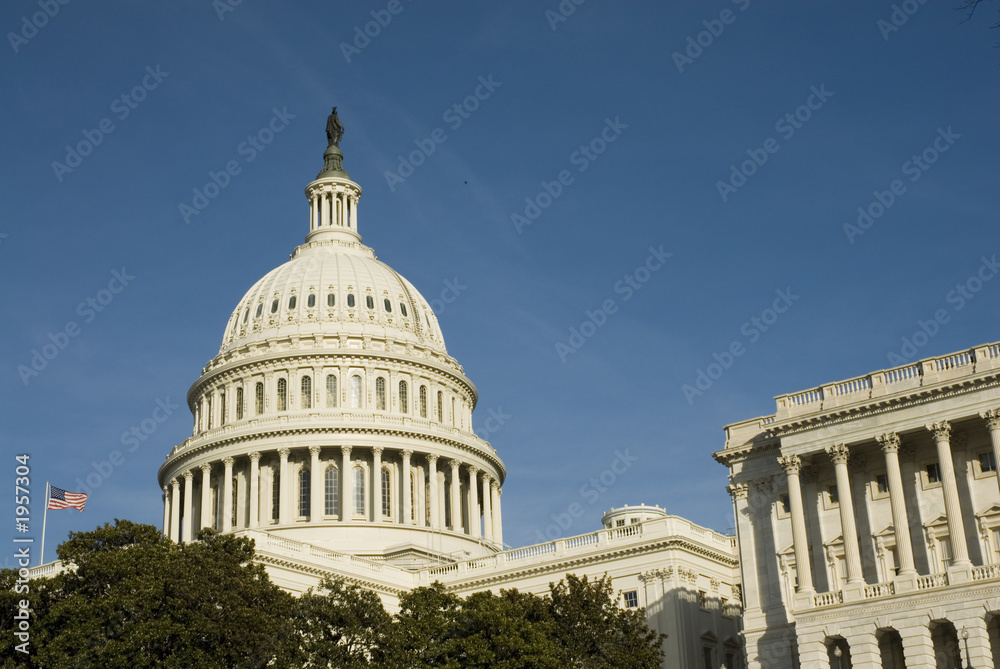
x=388 y=306
x=331 y=299
x=274 y=306
x=311 y=302
x=402 y=309
x=291 y=302
x=350 y=299
x=369 y=301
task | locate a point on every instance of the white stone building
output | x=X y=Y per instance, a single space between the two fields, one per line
x=334 y=428
x=868 y=519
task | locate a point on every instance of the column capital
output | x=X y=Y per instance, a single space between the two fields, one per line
x=254 y=456
x=738 y=491
x=455 y=464
x=889 y=442
x=790 y=463
x=174 y=482
x=432 y=459
x=377 y=450
x=314 y=450
x=992 y=417
x=188 y=475
x=941 y=430
x=495 y=486
x=473 y=471
x=407 y=453
x=205 y=468
x=228 y=461
x=345 y=450
x=165 y=489
x=284 y=451
x=839 y=453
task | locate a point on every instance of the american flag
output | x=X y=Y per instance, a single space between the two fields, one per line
x=60 y=499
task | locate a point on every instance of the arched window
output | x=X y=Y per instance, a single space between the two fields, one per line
x=331 y=391
x=291 y=302
x=359 y=491
x=386 y=494
x=380 y=393
x=402 y=309
x=440 y=407
x=274 y=306
x=331 y=491
x=282 y=395
x=331 y=300
x=275 y=493
x=208 y=411
x=355 y=392
x=388 y=305
x=259 y=400
x=369 y=302
x=423 y=401
x=304 y=481
x=350 y=300
x=311 y=301
x=222 y=406
x=239 y=403
x=246 y=314
x=404 y=401
x=260 y=308
x=452 y=410
x=307 y=392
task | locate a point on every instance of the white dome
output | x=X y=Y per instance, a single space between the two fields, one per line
x=333 y=287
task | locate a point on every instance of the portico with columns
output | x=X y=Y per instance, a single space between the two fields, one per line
x=883 y=508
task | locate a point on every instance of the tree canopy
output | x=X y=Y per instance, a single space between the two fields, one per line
x=133 y=599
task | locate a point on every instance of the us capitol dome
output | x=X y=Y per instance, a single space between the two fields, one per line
x=333 y=414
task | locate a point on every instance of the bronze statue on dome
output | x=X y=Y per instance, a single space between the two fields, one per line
x=334 y=129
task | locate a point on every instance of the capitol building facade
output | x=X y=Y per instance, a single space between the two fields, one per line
x=335 y=430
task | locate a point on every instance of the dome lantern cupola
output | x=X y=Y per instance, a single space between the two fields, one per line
x=333 y=197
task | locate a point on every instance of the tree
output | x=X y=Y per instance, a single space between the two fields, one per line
x=595 y=633
x=133 y=599
x=345 y=628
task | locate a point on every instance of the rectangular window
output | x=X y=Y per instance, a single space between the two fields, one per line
x=703 y=599
x=786 y=504
x=881 y=483
x=708 y=658
x=620 y=522
x=996 y=544
x=831 y=495
x=933 y=473
x=987 y=462
x=632 y=599
x=944 y=546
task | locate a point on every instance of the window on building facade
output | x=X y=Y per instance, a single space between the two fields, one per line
x=235 y=499
x=331 y=491
x=359 y=491
x=350 y=300
x=620 y=522
x=208 y=411
x=304 y=482
x=355 y=392
x=260 y=308
x=933 y=473
x=402 y=309
x=987 y=462
x=369 y=302
x=707 y=657
x=222 y=408
x=216 y=508
x=275 y=494
x=380 y=393
x=386 y=494
x=331 y=391
x=282 y=394
x=311 y=301
x=307 y=392
x=944 y=551
x=388 y=306
x=239 y=404
x=423 y=401
x=259 y=398
x=404 y=401
x=631 y=599
x=440 y=407
x=274 y=306
x=881 y=484
x=291 y=302
x=786 y=504
x=832 y=497
x=331 y=300
x=413 y=495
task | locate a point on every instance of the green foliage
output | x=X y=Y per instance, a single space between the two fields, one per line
x=134 y=600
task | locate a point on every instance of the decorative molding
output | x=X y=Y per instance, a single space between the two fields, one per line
x=791 y=464
x=839 y=453
x=941 y=430
x=889 y=442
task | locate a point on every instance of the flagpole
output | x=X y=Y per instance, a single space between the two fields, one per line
x=41 y=555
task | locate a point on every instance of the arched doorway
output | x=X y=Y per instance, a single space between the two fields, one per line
x=839 y=653
x=890 y=645
x=946 y=650
x=993 y=629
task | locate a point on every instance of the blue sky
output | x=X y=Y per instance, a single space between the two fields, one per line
x=629 y=126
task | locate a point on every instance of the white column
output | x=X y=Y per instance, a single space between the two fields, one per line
x=746 y=545
x=474 y=501
x=312 y=213
x=497 y=518
x=993 y=419
x=166 y=511
x=456 y=504
x=324 y=210
x=241 y=499
x=420 y=498
x=284 y=496
x=354 y=214
x=377 y=483
x=206 y=495
x=175 y=510
x=316 y=482
x=900 y=523
x=346 y=510
x=188 y=505
x=254 y=489
x=227 y=495
x=852 y=553
x=792 y=464
x=435 y=511
x=407 y=518
x=487 y=509
x=952 y=508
